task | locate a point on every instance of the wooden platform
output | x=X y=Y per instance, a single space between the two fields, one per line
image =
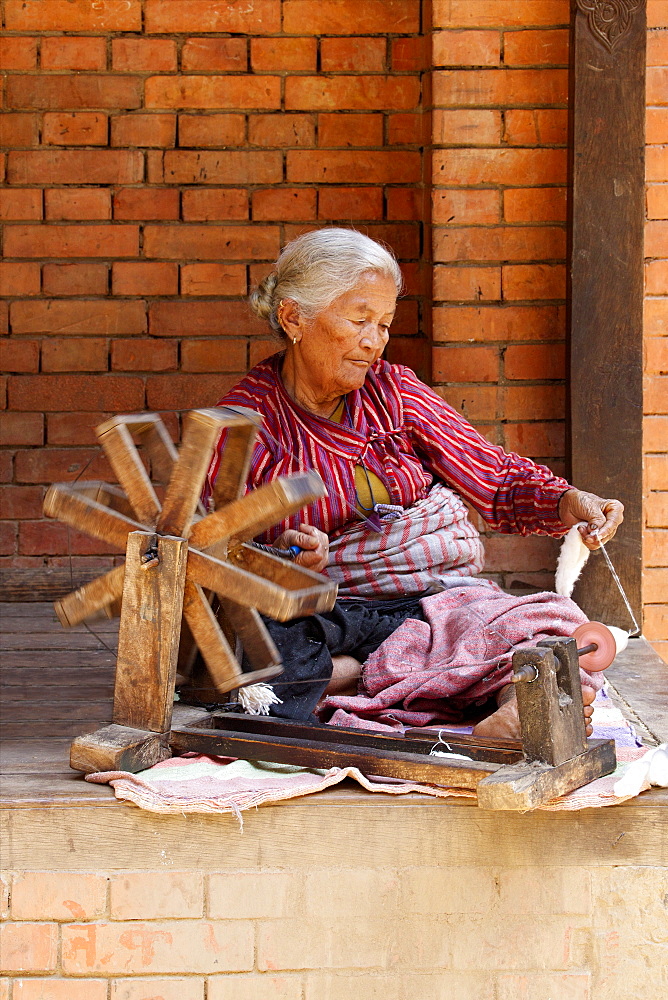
x=56 y=684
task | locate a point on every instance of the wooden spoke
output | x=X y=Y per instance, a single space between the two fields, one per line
x=148 y=638
x=120 y=449
x=101 y=593
x=257 y=644
x=160 y=449
x=202 y=428
x=251 y=515
x=235 y=460
x=221 y=662
x=312 y=591
x=106 y=494
x=87 y=515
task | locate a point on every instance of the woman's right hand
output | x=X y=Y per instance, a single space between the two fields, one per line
x=313 y=543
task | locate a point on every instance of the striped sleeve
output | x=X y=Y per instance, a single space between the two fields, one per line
x=513 y=494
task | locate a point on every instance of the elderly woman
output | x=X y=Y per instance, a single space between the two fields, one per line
x=398 y=462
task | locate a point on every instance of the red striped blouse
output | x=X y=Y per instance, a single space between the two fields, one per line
x=405 y=433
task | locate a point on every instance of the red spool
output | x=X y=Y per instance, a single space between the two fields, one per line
x=606 y=651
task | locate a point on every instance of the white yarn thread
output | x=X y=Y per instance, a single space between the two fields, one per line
x=572 y=558
x=257 y=699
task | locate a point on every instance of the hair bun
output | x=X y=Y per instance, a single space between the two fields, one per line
x=262 y=298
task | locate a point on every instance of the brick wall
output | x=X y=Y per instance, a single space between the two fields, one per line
x=415 y=933
x=655 y=555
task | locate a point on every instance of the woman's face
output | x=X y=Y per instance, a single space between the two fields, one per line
x=337 y=346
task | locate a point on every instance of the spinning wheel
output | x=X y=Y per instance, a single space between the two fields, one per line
x=174 y=554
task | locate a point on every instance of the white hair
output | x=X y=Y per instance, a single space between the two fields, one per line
x=316 y=268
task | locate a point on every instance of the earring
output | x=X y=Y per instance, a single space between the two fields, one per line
x=280 y=304
x=294 y=340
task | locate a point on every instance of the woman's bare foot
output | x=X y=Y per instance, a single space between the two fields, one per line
x=505 y=722
x=345 y=675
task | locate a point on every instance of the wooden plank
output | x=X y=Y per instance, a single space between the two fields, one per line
x=148 y=638
x=160 y=450
x=235 y=461
x=257 y=644
x=606 y=291
x=257 y=511
x=527 y=785
x=201 y=431
x=221 y=662
x=118 y=748
x=128 y=468
x=88 y=516
x=91 y=598
x=108 y=494
x=20 y=586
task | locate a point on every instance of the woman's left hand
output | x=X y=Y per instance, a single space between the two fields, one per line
x=603 y=517
x=313 y=542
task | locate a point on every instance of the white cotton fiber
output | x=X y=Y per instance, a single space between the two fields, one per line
x=572 y=557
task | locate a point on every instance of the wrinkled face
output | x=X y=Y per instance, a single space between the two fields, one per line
x=337 y=346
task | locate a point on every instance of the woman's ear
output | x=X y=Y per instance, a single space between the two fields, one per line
x=289 y=317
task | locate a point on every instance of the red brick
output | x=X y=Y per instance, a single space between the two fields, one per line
x=69 y=429
x=336 y=167
x=535 y=361
x=462 y=167
x=405 y=203
x=74 y=91
x=234 y=16
x=143 y=130
x=460 y=206
x=62 y=52
x=218 y=355
x=214 y=204
x=540 y=440
x=656 y=468
x=18 y=53
x=357 y=55
x=656 y=277
x=656 y=239
x=459 y=284
x=492 y=323
x=155 y=173
x=657 y=84
x=226 y=167
x=115 y=393
x=534 y=281
x=535 y=204
x=533 y=402
x=350 y=203
x=213 y=279
x=76 y=166
x=72 y=241
x=656 y=163
x=20 y=502
x=284 y=203
x=75 y=279
x=536 y=48
x=538 y=127
x=21 y=204
x=19 y=355
x=351 y=17
x=508 y=553
x=77 y=317
x=475 y=402
x=655 y=548
x=19 y=279
x=356 y=93
x=403 y=237
x=144 y=355
x=219 y=318
x=218 y=54
x=185 y=391
x=219 y=92
x=19 y=129
x=286 y=54
x=465 y=364
x=143 y=55
x=8 y=533
x=28 y=947
x=350 y=130
x=656 y=126
x=656 y=511
x=657 y=48
x=49 y=538
x=656 y=318
x=655 y=585
x=174 y=988
x=261 y=348
x=502 y=13
x=21 y=429
x=467 y=48
x=61 y=989
x=87 y=128
x=144 y=278
x=504 y=87
x=656 y=358
x=655 y=433
x=656 y=395
x=146 y=203
x=519 y=243
x=212 y=242
x=281 y=130
x=6 y=466
x=77 y=203
x=73 y=15
x=212 y=130
x=409 y=54
x=466 y=127
x=75 y=355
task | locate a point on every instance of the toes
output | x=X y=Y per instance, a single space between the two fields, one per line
x=588 y=695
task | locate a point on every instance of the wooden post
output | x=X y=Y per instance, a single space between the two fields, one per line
x=606 y=283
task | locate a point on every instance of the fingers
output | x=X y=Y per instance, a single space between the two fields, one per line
x=313 y=543
x=602 y=517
